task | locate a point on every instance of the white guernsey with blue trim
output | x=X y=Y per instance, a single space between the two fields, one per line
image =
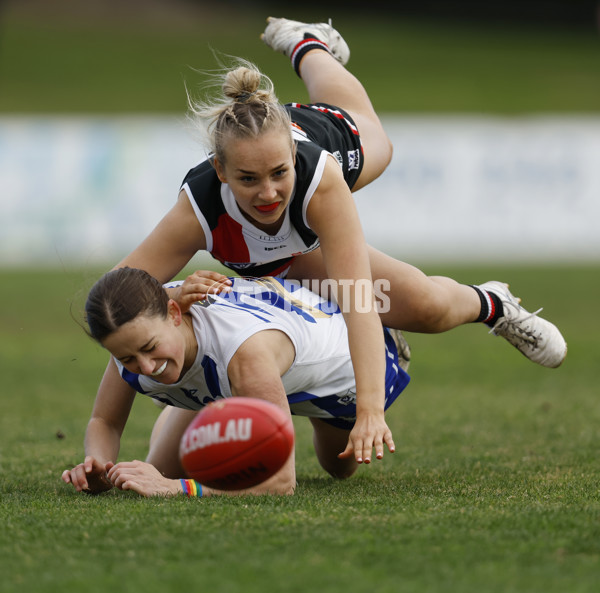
x=320 y=382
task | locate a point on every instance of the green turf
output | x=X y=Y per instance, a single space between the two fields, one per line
x=64 y=61
x=494 y=485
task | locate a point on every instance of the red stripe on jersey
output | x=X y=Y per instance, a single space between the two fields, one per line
x=228 y=241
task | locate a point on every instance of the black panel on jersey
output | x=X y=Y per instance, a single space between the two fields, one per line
x=307 y=157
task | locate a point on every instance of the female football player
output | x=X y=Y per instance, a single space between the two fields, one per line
x=274 y=198
x=266 y=338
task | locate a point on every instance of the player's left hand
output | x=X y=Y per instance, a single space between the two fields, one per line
x=370 y=431
x=89 y=476
x=141 y=477
x=197 y=286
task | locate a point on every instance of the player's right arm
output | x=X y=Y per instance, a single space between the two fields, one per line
x=170 y=247
x=103 y=434
x=172 y=243
x=255 y=370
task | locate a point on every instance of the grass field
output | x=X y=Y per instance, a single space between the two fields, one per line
x=494 y=485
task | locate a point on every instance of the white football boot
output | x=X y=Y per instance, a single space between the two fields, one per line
x=538 y=339
x=284 y=35
x=402 y=347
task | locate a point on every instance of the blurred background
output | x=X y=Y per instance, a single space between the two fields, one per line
x=494 y=112
x=493 y=109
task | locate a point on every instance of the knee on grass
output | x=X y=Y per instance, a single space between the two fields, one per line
x=340 y=469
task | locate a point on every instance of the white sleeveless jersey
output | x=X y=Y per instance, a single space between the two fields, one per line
x=320 y=382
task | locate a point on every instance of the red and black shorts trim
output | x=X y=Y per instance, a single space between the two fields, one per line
x=334 y=130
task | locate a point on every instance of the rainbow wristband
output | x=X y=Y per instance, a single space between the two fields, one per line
x=191 y=488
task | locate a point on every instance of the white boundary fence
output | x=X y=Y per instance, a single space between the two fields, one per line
x=83 y=190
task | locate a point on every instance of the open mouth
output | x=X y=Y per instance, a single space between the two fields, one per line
x=268 y=207
x=160 y=370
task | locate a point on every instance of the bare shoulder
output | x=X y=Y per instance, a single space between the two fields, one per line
x=182 y=214
x=333 y=177
x=260 y=361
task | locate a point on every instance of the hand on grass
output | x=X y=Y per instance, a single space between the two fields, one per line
x=89 y=476
x=370 y=430
x=141 y=477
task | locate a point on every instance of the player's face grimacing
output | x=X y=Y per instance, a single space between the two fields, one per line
x=150 y=345
x=260 y=172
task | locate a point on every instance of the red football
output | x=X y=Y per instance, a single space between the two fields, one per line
x=236 y=443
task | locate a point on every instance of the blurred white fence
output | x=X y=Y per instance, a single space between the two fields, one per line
x=87 y=190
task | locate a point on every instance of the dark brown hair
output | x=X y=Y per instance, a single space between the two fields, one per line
x=120 y=296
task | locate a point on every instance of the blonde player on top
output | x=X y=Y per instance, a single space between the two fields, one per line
x=275 y=198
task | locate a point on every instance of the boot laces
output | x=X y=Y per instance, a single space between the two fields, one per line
x=516 y=326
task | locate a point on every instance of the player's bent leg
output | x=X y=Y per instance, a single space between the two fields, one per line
x=327 y=81
x=164 y=441
x=408 y=299
x=377 y=150
x=412 y=301
x=329 y=441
